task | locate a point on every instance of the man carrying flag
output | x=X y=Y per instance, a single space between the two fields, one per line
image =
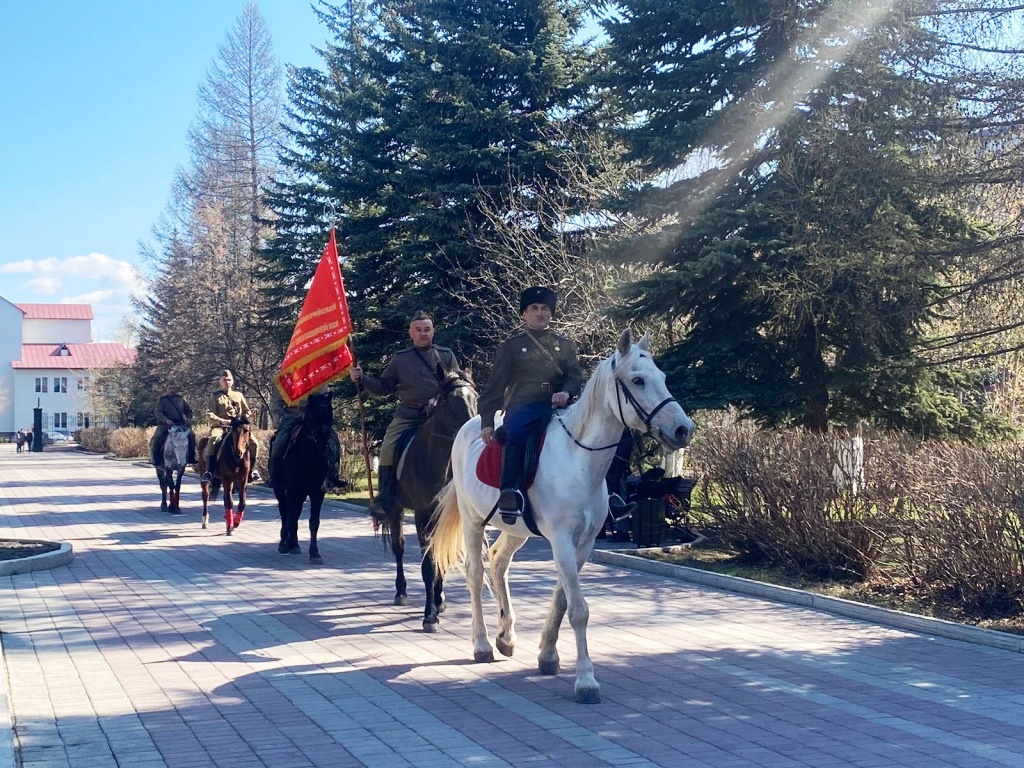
x=410 y=376
x=317 y=354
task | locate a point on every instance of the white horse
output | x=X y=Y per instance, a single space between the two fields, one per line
x=569 y=499
x=175 y=458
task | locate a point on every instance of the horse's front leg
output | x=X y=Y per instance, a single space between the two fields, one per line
x=284 y=512
x=205 y=488
x=500 y=555
x=175 y=505
x=316 y=502
x=236 y=517
x=433 y=584
x=229 y=506
x=568 y=598
x=473 y=533
x=163 y=490
x=396 y=527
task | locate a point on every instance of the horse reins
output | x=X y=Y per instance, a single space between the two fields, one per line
x=646 y=417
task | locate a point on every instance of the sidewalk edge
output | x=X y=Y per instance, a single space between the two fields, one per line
x=847 y=608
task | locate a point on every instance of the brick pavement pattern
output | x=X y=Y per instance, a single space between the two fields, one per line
x=165 y=645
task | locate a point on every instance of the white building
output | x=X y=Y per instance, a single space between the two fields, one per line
x=51 y=356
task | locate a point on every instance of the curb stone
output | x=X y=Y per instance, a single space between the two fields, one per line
x=847 y=608
x=40 y=562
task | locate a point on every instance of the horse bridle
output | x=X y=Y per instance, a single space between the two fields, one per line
x=646 y=417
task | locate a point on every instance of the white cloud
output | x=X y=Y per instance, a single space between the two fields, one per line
x=45 y=284
x=94 y=297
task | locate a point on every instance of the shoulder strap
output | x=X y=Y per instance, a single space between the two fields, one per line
x=547 y=353
x=423 y=360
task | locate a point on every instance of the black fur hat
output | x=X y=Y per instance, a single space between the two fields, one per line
x=538 y=295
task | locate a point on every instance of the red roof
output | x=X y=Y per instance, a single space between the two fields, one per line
x=56 y=311
x=95 y=355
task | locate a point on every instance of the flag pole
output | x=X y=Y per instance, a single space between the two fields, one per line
x=362 y=424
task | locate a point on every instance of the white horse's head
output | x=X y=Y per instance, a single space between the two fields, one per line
x=641 y=398
x=176 y=448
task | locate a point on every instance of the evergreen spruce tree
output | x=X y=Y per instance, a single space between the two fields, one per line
x=798 y=209
x=423 y=115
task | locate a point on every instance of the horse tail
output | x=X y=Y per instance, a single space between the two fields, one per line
x=447 y=544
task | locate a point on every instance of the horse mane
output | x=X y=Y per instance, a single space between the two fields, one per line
x=586 y=408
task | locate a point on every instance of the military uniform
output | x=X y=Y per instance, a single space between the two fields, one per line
x=286 y=418
x=411 y=375
x=227 y=405
x=171 y=411
x=525 y=376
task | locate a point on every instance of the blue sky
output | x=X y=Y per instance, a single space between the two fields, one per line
x=97 y=100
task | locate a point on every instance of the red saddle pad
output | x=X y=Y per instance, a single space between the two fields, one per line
x=488 y=467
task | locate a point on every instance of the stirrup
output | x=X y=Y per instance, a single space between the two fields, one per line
x=255 y=476
x=206 y=477
x=510 y=505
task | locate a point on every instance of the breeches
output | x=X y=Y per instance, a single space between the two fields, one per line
x=398 y=425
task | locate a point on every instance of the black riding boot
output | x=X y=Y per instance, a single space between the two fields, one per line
x=510 y=500
x=385 y=491
x=619 y=508
x=211 y=467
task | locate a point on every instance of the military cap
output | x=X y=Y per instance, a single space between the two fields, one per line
x=537 y=295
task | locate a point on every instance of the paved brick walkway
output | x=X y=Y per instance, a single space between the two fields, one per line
x=165 y=645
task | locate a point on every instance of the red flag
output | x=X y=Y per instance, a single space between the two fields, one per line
x=318 y=352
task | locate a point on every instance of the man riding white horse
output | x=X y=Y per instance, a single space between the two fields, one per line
x=534 y=371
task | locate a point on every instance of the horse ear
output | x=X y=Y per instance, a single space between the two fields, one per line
x=625 y=342
x=645 y=342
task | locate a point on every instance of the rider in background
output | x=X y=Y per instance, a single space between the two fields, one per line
x=411 y=375
x=286 y=418
x=225 y=404
x=171 y=411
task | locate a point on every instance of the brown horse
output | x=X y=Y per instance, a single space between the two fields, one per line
x=232 y=470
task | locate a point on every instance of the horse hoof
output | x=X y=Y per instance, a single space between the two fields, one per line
x=316 y=560
x=175 y=511
x=549 y=667
x=588 y=695
x=296 y=550
x=229 y=531
x=163 y=507
x=430 y=627
x=483 y=657
x=505 y=648
x=401 y=600
x=282 y=549
x=205 y=525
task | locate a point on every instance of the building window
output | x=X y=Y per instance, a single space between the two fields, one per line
x=41 y=383
x=60 y=384
x=83 y=384
x=60 y=421
x=83 y=420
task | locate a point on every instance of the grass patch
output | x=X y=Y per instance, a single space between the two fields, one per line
x=889 y=594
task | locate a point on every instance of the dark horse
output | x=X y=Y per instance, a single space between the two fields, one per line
x=232 y=470
x=423 y=471
x=175 y=458
x=303 y=474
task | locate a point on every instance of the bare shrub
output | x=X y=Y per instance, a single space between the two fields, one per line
x=130 y=442
x=94 y=439
x=962 y=531
x=773 y=498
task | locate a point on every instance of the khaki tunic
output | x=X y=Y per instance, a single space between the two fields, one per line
x=411 y=376
x=227 y=405
x=523 y=373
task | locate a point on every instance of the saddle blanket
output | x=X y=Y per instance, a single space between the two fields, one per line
x=488 y=467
